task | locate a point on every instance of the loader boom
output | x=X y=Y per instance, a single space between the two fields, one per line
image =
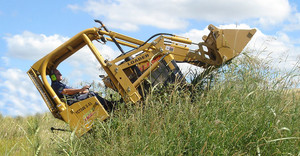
x=132 y=73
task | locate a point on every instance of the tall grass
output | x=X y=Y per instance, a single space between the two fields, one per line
x=247 y=110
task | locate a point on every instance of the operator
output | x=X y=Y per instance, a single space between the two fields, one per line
x=62 y=89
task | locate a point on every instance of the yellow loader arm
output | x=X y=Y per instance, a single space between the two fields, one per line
x=220 y=46
x=132 y=73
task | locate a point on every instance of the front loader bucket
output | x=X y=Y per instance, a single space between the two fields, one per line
x=225 y=44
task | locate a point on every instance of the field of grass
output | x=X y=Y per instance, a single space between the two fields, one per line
x=248 y=110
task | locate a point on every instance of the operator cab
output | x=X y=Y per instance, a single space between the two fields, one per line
x=81 y=114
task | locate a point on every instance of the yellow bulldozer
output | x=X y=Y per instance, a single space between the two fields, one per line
x=132 y=73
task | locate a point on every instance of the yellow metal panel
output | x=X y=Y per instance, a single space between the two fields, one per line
x=81 y=115
x=125 y=84
x=137 y=60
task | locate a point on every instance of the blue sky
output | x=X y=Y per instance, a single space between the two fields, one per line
x=30 y=29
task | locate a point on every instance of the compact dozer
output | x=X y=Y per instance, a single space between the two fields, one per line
x=133 y=72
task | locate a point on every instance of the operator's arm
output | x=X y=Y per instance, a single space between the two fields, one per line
x=70 y=91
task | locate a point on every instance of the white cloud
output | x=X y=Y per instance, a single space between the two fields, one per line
x=32 y=46
x=18 y=95
x=278 y=49
x=294 y=23
x=174 y=14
